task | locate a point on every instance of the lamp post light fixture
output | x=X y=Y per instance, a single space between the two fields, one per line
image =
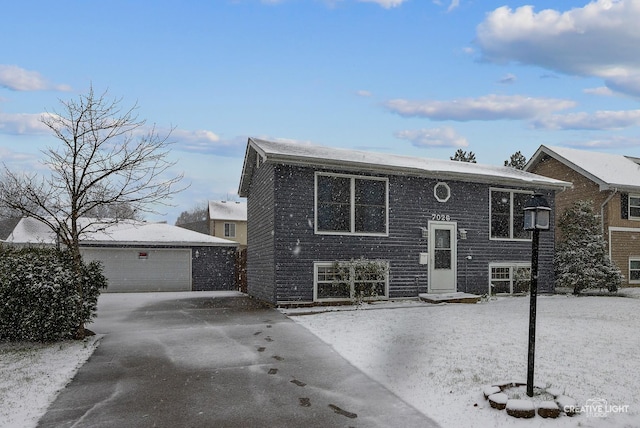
x=537 y=215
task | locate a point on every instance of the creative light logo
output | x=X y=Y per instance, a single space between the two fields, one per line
x=597 y=408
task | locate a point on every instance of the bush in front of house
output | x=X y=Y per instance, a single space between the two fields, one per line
x=39 y=297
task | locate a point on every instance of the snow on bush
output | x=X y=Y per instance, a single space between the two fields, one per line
x=40 y=299
x=581 y=259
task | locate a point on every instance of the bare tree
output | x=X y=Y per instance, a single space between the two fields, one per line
x=105 y=159
x=198 y=213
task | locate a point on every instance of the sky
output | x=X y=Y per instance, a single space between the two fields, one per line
x=415 y=77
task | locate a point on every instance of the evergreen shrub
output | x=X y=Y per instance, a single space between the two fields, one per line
x=39 y=295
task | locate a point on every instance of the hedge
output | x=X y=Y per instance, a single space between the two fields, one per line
x=39 y=298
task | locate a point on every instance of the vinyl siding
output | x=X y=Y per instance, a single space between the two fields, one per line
x=260 y=235
x=411 y=205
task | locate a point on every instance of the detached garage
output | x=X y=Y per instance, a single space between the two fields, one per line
x=144 y=269
x=139 y=256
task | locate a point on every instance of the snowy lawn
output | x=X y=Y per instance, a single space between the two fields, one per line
x=32 y=374
x=439 y=357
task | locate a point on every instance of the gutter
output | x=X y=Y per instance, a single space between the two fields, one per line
x=606 y=201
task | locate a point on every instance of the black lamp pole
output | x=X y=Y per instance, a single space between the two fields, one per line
x=533 y=292
x=537 y=214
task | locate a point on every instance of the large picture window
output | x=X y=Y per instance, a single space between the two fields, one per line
x=351 y=204
x=356 y=279
x=507 y=214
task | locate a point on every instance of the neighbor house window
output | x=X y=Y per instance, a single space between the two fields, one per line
x=349 y=280
x=507 y=215
x=634 y=270
x=351 y=204
x=509 y=278
x=634 y=206
x=229 y=230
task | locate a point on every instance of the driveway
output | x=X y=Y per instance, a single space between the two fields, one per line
x=217 y=360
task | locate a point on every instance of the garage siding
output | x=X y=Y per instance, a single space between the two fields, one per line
x=144 y=269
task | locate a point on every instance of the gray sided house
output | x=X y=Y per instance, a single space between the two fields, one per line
x=316 y=213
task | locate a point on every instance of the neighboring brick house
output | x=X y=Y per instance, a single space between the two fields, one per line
x=228 y=220
x=612 y=182
x=437 y=226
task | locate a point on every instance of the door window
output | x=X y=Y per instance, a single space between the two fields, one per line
x=442 y=255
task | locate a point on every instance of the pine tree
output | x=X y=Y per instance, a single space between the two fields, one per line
x=517 y=161
x=581 y=259
x=463 y=156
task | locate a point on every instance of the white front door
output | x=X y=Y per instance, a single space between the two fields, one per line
x=442 y=257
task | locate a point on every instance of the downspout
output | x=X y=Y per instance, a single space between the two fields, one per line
x=606 y=201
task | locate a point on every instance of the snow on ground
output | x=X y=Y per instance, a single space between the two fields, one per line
x=31 y=375
x=438 y=358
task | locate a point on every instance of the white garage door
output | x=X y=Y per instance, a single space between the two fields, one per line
x=143 y=269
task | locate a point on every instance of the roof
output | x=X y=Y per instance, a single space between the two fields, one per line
x=228 y=210
x=356 y=160
x=127 y=232
x=609 y=171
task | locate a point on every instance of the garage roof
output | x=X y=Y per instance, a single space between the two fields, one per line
x=125 y=232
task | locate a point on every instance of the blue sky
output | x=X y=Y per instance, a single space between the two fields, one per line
x=415 y=77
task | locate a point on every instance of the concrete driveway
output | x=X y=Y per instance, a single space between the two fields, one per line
x=217 y=360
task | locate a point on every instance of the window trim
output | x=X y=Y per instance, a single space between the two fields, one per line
x=352 y=210
x=511 y=225
x=229 y=224
x=512 y=266
x=317 y=264
x=629 y=206
x=435 y=191
x=633 y=259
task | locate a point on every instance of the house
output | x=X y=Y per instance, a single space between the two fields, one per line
x=612 y=182
x=228 y=220
x=140 y=256
x=434 y=226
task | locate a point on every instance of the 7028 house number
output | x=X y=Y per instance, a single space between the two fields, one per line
x=440 y=217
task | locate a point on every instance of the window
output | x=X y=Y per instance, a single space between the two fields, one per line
x=350 y=204
x=507 y=215
x=634 y=270
x=634 y=206
x=229 y=230
x=510 y=278
x=356 y=279
x=442 y=192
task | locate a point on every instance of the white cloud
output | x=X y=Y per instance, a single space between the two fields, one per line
x=18 y=79
x=363 y=93
x=489 y=107
x=604 y=119
x=613 y=142
x=207 y=142
x=602 y=90
x=508 y=79
x=434 y=137
x=601 y=39
x=387 y=4
x=22 y=123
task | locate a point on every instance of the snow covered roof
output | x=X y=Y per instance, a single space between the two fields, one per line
x=228 y=210
x=356 y=160
x=126 y=232
x=609 y=171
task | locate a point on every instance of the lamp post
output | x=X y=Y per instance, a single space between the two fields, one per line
x=537 y=215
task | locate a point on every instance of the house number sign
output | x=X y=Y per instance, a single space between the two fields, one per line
x=440 y=217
